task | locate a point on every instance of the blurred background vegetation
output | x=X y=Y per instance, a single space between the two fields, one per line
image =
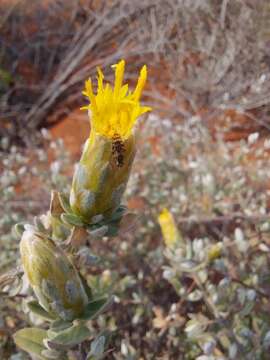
x=203 y=153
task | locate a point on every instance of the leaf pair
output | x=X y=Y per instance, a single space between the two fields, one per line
x=61 y=336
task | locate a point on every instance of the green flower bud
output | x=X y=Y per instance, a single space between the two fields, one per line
x=54 y=279
x=99 y=182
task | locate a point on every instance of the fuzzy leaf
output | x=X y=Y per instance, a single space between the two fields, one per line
x=11 y=277
x=71 y=219
x=31 y=341
x=64 y=201
x=70 y=337
x=96 y=219
x=86 y=257
x=87 y=288
x=95 y=307
x=38 y=310
x=19 y=229
x=59 y=325
x=98 y=346
x=38 y=224
x=98 y=232
x=16 y=287
x=51 y=354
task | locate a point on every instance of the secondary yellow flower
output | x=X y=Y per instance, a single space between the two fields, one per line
x=169 y=230
x=114 y=111
x=101 y=176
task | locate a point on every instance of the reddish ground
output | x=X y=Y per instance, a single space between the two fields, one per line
x=74 y=130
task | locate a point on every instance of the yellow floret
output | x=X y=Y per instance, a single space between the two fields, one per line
x=114 y=110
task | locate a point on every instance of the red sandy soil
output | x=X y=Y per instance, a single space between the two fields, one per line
x=74 y=130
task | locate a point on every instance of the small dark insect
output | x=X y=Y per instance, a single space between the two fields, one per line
x=118 y=150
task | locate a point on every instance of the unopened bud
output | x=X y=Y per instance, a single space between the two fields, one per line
x=55 y=281
x=101 y=176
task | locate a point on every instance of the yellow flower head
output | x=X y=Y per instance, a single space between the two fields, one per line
x=114 y=110
x=169 y=230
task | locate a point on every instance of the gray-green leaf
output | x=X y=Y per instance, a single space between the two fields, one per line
x=70 y=337
x=60 y=325
x=19 y=229
x=95 y=307
x=72 y=220
x=38 y=310
x=98 y=346
x=31 y=341
x=64 y=201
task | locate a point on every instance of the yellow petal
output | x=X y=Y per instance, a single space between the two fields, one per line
x=141 y=82
x=90 y=94
x=100 y=79
x=119 y=75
